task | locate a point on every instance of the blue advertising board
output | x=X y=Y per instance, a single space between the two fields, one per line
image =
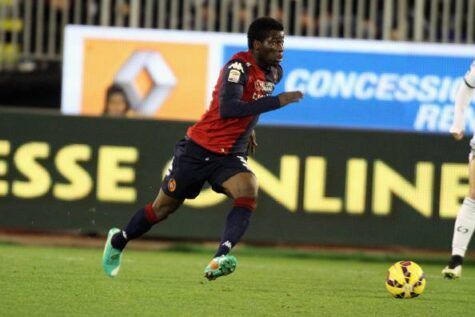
x=381 y=90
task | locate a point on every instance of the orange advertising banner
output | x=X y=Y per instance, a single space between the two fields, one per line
x=164 y=80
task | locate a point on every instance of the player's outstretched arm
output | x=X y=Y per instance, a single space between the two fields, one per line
x=231 y=105
x=462 y=101
x=231 y=91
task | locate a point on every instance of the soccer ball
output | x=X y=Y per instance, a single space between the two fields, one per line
x=405 y=280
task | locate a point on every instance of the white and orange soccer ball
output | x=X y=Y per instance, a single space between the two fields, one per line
x=405 y=279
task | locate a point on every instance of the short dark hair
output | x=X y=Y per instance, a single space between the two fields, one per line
x=114 y=89
x=260 y=28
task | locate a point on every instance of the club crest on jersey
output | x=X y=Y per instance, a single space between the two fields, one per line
x=172 y=184
x=237 y=66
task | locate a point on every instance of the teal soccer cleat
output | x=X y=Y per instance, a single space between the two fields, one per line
x=220 y=266
x=111 y=257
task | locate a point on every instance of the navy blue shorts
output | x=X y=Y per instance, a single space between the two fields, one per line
x=193 y=165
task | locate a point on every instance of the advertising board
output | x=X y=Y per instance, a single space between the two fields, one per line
x=356 y=84
x=317 y=186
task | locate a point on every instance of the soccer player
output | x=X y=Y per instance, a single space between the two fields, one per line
x=465 y=222
x=215 y=148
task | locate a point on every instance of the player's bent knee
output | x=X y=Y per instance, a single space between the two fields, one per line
x=163 y=210
x=244 y=191
x=246 y=202
x=244 y=186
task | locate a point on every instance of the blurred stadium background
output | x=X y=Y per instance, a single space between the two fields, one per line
x=363 y=163
x=31 y=34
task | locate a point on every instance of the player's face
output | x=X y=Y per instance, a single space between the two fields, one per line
x=271 y=51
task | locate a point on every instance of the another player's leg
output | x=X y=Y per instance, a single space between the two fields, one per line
x=463 y=230
x=242 y=187
x=139 y=224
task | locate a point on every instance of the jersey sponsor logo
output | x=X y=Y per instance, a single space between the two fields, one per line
x=171 y=184
x=265 y=86
x=237 y=66
x=262 y=89
x=234 y=76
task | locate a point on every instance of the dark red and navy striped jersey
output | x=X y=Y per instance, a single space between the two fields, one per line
x=243 y=91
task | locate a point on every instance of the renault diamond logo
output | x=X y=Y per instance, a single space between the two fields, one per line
x=162 y=81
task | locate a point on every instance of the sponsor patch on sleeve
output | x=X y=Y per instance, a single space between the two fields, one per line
x=234 y=76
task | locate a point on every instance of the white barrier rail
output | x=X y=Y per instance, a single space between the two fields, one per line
x=33 y=29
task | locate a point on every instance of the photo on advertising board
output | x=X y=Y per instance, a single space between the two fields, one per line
x=137 y=78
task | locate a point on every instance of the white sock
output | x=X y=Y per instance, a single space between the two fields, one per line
x=464 y=226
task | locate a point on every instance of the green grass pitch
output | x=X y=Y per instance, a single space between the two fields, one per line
x=46 y=281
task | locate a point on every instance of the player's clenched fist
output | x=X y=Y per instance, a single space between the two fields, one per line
x=289 y=97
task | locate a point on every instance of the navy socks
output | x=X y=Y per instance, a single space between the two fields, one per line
x=237 y=222
x=236 y=225
x=141 y=222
